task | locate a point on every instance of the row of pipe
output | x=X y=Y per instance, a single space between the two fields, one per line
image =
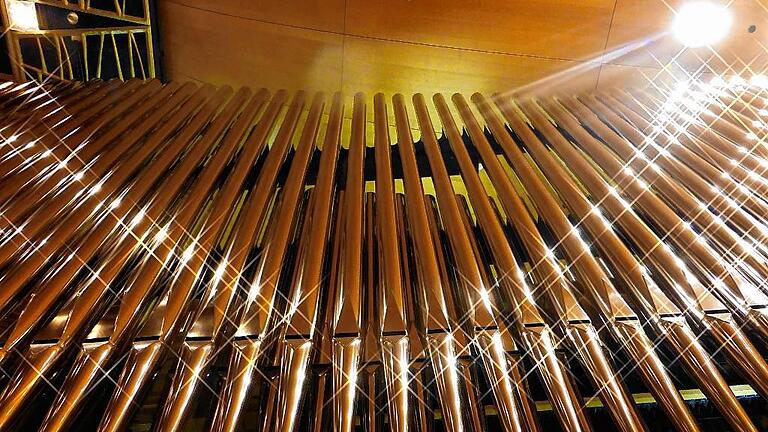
x=240 y=253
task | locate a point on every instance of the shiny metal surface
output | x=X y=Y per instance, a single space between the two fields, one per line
x=183 y=257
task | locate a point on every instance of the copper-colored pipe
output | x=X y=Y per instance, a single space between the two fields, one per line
x=700 y=365
x=726 y=333
x=268 y=273
x=372 y=297
x=699 y=165
x=502 y=368
x=253 y=216
x=14 y=91
x=744 y=102
x=95 y=288
x=112 y=219
x=348 y=308
x=723 y=395
x=304 y=320
x=431 y=285
x=614 y=249
x=551 y=281
x=201 y=189
x=739 y=176
x=15 y=152
x=448 y=346
x=180 y=291
x=131 y=303
x=92 y=175
x=324 y=354
x=55 y=147
x=347 y=311
x=57 y=282
x=19 y=104
x=716 y=149
x=678 y=198
x=438 y=301
x=53 y=241
x=410 y=282
x=512 y=287
x=27 y=109
x=743 y=355
x=689 y=177
x=560 y=391
x=637 y=346
x=677 y=166
x=540 y=346
x=460 y=244
x=227 y=313
x=53 y=119
x=261 y=308
x=583 y=335
x=18 y=94
x=728 y=124
x=409 y=371
x=72 y=135
x=179 y=400
x=297 y=346
x=664 y=215
x=391 y=313
x=734 y=297
x=44 y=96
x=52 y=104
x=470 y=279
x=391 y=298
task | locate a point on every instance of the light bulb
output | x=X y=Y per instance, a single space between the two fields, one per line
x=700 y=23
x=23 y=15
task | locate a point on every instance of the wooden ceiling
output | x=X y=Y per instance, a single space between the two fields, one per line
x=445 y=45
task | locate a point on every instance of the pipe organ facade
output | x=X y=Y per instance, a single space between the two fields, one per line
x=179 y=257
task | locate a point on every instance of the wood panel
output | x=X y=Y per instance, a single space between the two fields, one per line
x=562 y=29
x=202 y=45
x=326 y=15
x=391 y=67
x=429 y=46
x=612 y=75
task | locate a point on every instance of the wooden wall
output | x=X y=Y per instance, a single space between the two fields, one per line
x=442 y=45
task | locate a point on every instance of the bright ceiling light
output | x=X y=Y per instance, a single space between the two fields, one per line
x=23 y=15
x=700 y=23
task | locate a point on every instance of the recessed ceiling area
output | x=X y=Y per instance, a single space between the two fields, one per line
x=448 y=45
